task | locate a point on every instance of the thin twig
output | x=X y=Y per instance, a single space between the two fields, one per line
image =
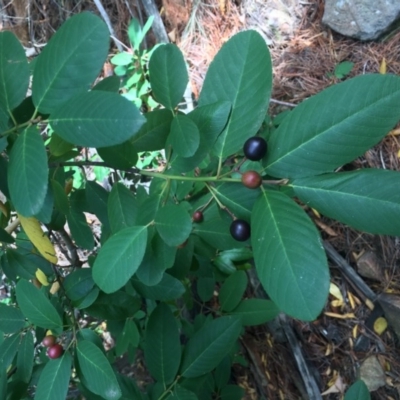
x=282 y=103
x=158 y=26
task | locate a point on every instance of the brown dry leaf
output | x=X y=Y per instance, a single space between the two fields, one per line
x=340 y=316
x=327 y=229
x=382 y=67
x=337 y=387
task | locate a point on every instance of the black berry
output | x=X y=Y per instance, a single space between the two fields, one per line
x=251 y=179
x=255 y=148
x=240 y=230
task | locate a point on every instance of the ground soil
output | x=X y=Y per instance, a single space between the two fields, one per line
x=304 y=52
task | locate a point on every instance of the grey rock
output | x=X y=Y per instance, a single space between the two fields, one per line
x=361 y=19
x=372 y=373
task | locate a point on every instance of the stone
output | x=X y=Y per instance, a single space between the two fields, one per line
x=371 y=372
x=369 y=265
x=361 y=19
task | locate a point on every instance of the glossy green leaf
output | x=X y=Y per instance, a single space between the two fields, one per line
x=119 y=258
x=28 y=172
x=54 y=379
x=70 y=62
x=80 y=230
x=209 y=345
x=122 y=208
x=11 y=319
x=99 y=376
x=358 y=391
x=154 y=132
x=334 y=127
x=60 y=197
x=36 y=306
x=58 y=146
x=289 y=257
x=351 y=196
x=232 y=290
x=129 y=336
x=174 y=224
x=96 y=119
x=256 y=311
x=168 y=75
x=240 y=73
x=14 y=71
x=162 y=350
x=120 y=156
x=169 y=288
x=97 y=199
x=25 y=358
x=109 y=84
x=8 y=350
x=20 y=264
x=184 y=136
x=78 y=284
x=45 y=213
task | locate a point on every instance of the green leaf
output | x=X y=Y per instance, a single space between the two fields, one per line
x=289 y=257
x=14 y=71
x=256 y=311
x=70 y=62
x=169 y=288
x=108 y=84
x=184 y=136
x=3 y=383
x=25 y=358
x=174 y=224
x=54 y=379
x=119 y=258
x=60 y=198
x=153 y=134
x=223 y=373
x=5 y=237
x=129 y=335
x=28 y=172
x=205 y=288
x=334 y=127
x=232 y=290
x=358 y=391
x=240 y=73
x=162 y=350
x=80 y=230
x=209 y=345
x=120 y=156
x=59 y=146
x=180 y=393
x=21 y=264
x=78 y=284
x=36 y=306
x=96 y=119
x=351 y=196
x=11 y=319
x=99 y=376
x=8 y=350
x=97 y=199
x=168 y=75
x=232 y=392
x=122 y=208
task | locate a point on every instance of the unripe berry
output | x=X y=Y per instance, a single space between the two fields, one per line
x=197 y=216
x=49 y=341
x=251 y=179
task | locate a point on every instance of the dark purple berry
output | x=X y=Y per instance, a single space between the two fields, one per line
x=55 y=351
x=255 y=148
x=197 y=216
x=240 y=230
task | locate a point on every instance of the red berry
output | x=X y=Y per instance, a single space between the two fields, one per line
x=49 y=341
x=251 y=179
x=240 y=230
x=197 y=216
x=255 y=148
x=55 y=351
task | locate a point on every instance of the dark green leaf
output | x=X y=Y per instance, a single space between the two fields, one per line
x=184 y=136
x=289 y=257
x=119 y=258
x=256 y=311
x=153 y=134
x=46 y=212
x=25 y=358
x=169 y=288
x=58 y=146
x=78 y=283
x=8 y=350
x=99 y=376
x=358 y=391
x=60 y=198
x=5 y=237
x=120 y=156
x=11 y=319
x=97 y=199
x=223 y=373
x=122 y=208
x=205 y=288
x=28 y=172
x=206 y=349
x=14 y=71
x=3 y=383
x=96 y=119
x=70 y=61
x=232 y=392
x=240 y=73
x=129 y=336
x=351 y=196
x=20 y=264
x=334 y=127
x=36 y=306
x=232 y=290
x=80 y=230
x=174 y=224
x=54 y=380
x=168 y=75
x=162 y=348
x=109 y=84
x=180 y=393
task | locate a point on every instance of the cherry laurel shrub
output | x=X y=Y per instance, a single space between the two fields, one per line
x=154 y=268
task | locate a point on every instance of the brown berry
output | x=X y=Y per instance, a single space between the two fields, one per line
x=197 y=216
x=49 y=341
x=55 y=351
x=251 y=179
